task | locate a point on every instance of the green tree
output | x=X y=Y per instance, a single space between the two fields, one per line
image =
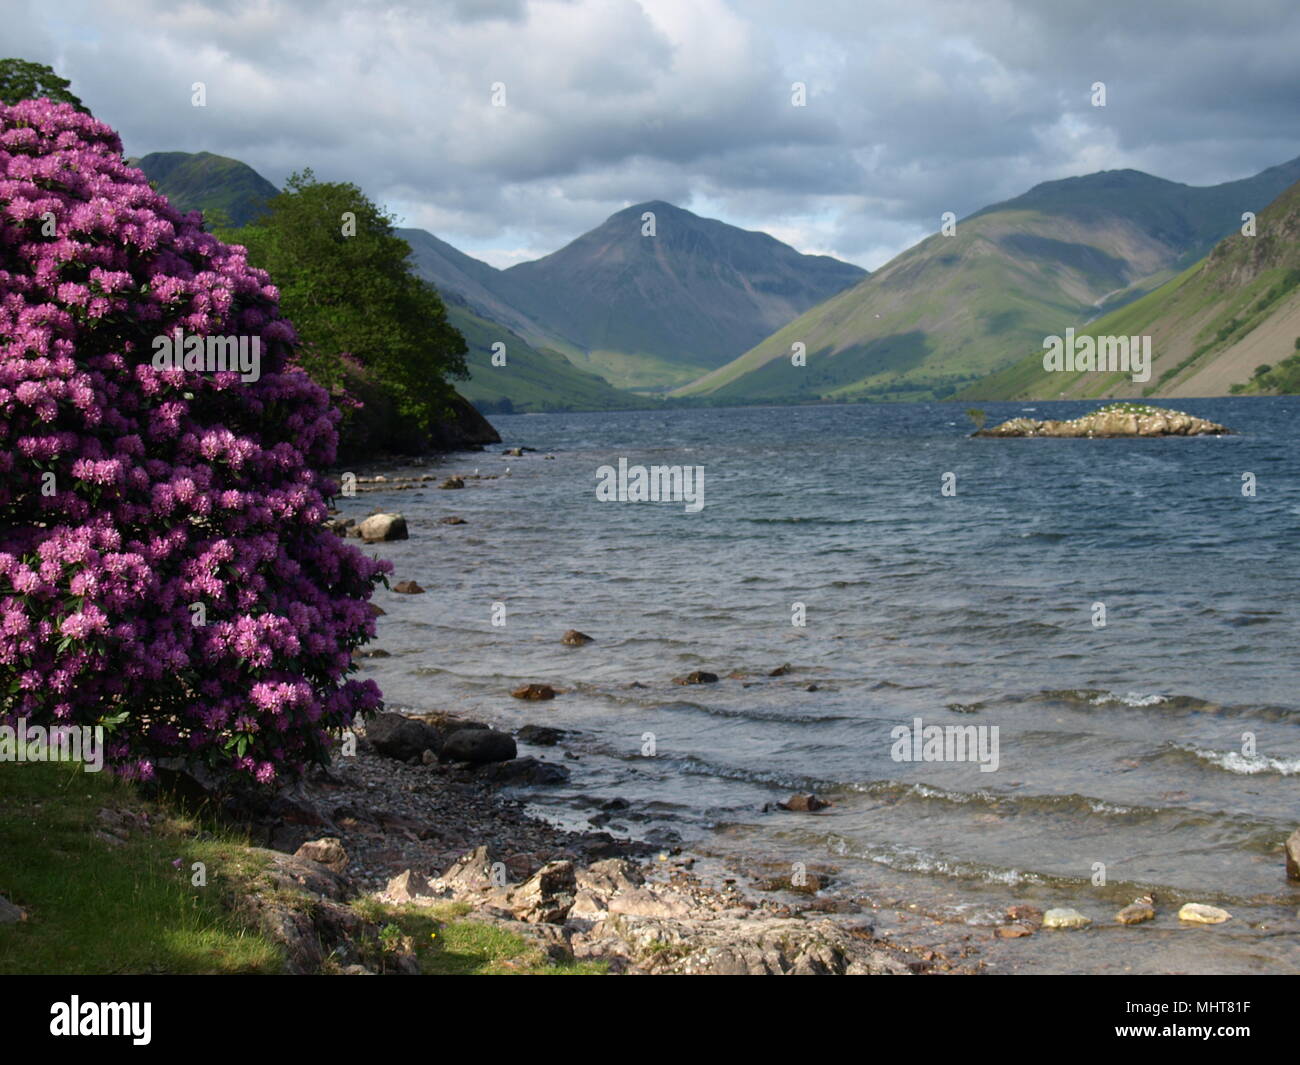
x=346 y=282
x=21 y=79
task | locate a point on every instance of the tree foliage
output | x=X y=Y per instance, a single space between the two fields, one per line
x=368 y=322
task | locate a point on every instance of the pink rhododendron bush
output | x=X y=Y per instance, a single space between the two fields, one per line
x=163 y=565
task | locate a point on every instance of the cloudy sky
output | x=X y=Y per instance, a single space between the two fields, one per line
x=914 y=107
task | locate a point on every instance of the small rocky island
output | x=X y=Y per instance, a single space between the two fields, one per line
x=1114 y=419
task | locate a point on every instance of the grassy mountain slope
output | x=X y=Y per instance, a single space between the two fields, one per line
x=954 y=309
x=201 y=181
x=1211 y=326
x=649 y=311
x=531 y=379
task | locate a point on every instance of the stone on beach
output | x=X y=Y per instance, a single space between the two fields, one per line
x=400 y=737
x=1064 y=917
x=1200 y=913
x=1136 y=912
x=380 y=527
x=479 y=745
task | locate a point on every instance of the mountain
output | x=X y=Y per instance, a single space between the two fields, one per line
x=201 y=181
x=954 y=309
x=533 y=379
x=1212 y=327
x=649 y=311
x=477 y=285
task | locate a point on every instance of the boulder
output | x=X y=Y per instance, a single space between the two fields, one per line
x=328 y=852
x=547 y=896
x=534 y=692
x=1064 y=917
x=408 y=886
x=408 y=588
x=574 y=638
x=453 y=482
x=540 y=735
x=471 y=871
x=1200 y=913
x=1293 y=855
x=379 y=527
x=1136 y=912
x=452 y=520
x=697 y=676
x=403 y=738
x=479 y=745
x=806 y=803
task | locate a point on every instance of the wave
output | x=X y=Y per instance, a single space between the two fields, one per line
x=1244 y=765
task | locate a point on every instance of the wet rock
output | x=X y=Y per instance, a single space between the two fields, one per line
x=1025 y=914
x=453 y=482
x=452 y=520
x=805 y=803
x=525 y=771
x=540 y=735
x=1200 y=913
x=697 y=676
x=1014 y=931
x=328 y=852
x=534 y=692
x=377 y=610
x=1293 y=855
x=1064 y=917
x=403 y=738
x=1137 y=911
x=479 y=745
x=781 y=671
x=381 y=527
x=574 y=638
x=408 y=588
x=373 y=652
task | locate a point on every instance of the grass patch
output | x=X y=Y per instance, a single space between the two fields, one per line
x=448 y=946
x=100 y=907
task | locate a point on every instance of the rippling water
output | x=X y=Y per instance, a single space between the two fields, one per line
x=1120 y=745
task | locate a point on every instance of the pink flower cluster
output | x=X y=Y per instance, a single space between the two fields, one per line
x=162 y=559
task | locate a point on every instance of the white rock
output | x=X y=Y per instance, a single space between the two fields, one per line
x=1200 y=913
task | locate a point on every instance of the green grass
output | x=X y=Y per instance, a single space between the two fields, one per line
x=448 y=946
x=99 y=908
